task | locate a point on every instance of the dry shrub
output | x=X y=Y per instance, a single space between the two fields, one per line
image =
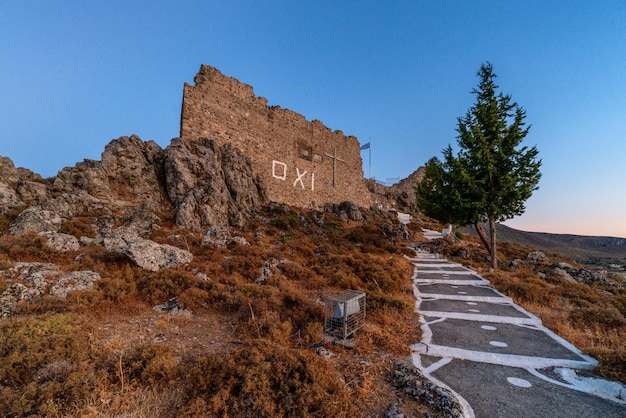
x=299 y=273
x=602 y=317
x=194 y=298
x=265 y=380
x=160 y=286
x=275 y=312
x=301 y=250
x=612 y=361
x=245 y=261
x=78 y=227
x=150 y=364
x=45 y=304
x=524 y=287
x=379 y=300
x=5 y=262
x=370 y=238
x=137 y=402
x=117 y=289
x=619 y=301
x=44 y=367
x=101 y=260
x=5 y=224
x=28 y=248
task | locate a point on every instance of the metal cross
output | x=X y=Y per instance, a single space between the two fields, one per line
x=335 y=159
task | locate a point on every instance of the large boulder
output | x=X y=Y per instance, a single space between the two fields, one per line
x=61 y=242
x=35 y=219
x=131 y=239
x=75 y=280
x=209 y=185
x=25 y=282
x=153 y=256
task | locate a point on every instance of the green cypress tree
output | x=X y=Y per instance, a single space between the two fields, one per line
x=493 y=175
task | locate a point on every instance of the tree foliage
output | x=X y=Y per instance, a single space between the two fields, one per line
x=492 y=175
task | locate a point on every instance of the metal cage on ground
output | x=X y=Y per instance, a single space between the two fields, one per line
x=344 y=314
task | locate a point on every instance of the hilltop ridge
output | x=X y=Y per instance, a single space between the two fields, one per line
x=605 y=252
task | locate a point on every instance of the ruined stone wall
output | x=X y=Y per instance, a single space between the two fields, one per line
x=304 y=163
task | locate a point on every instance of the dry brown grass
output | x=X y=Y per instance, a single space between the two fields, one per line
x=247 y=350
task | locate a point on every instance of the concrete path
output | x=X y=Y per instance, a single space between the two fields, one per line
x=497 y=358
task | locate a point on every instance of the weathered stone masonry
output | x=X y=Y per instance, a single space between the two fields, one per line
x=304 y=163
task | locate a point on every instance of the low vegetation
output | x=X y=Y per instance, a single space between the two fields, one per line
x=251 y=347
x=253 y=343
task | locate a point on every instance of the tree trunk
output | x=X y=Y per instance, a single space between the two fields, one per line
x=481 y=235
x=492 y=233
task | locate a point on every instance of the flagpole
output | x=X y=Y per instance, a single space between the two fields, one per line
x=370 y=168
x=369 y=147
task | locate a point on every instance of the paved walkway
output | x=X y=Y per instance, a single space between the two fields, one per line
x=497 y=358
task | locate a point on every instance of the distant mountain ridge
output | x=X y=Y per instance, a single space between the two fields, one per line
x=583 y=249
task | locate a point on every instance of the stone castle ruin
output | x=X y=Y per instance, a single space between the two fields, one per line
x=304 y=163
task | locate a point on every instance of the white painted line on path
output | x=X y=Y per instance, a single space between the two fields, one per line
x=511 y=360
x=490 y=299
x=438 y=364
x=447 y=271
x=452 y=282
x=466 y=408
x=496 y=319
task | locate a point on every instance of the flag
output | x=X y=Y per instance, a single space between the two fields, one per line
x=366 y=146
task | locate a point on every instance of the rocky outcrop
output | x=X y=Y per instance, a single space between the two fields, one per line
x=564 y=271
x=209 y=184
x=20 y=187
x=130 y=239
x=400 y=196
x=573 y=274
x=347 y=211
x=537 y=257
x=399 y=231
x=27 y=282
x=172 y=307
x=130 y=174
x=221 y=237
x=61 y=242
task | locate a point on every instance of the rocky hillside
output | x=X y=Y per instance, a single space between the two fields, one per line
x=160 y=282
x=206 y=185
x=400 y=196
x=604 y=252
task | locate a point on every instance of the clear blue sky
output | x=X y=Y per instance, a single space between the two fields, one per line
x=76 y=74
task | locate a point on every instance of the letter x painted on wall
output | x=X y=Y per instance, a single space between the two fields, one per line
x=335 y=159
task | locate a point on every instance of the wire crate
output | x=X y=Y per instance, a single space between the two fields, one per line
x=344 y=314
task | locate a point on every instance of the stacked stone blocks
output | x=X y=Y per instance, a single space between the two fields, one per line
x=304 y=163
